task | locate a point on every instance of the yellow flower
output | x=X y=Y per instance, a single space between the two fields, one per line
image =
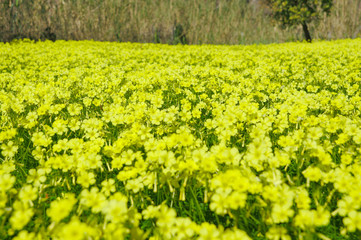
x=305 y=218
x=93 y=161
x=108 y=186
x=59 y=126
x=277 y=233
x=134 y=185
x=184 y=228
x=25 y=235
x=74 y=230
x=342 y=138
x=302 y=200
x=219 y=202
x=86 y=179
x=235 y=234
x=151 y=212
x=20 y=218
x=321 y=217
x=6 y=182
x=353 y=221
x=7 y=134
x=166 y=216
x=116 y=208
x=312 y=173
x=28 y=193
x=39 y=139
x=74 y=109
x=37 y=177
x=209 y=232
x=93 y=199
x=59 y=209
x=281 y=213
x=315 y=133
x=347 y=205
x=9 y=149
x=236 y=200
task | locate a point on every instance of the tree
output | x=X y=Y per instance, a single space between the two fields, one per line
x=299 y=12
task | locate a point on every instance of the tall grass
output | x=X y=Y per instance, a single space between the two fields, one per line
x=204 y=21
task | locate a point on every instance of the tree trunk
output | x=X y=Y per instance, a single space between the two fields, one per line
x=306 y=32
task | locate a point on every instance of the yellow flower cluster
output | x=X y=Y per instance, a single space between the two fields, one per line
x=103 y=140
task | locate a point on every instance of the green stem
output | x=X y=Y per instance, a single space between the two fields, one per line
x=237 y=216
x=197 y=205
x=217 y=219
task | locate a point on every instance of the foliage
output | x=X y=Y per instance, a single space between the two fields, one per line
x=294 y=12
x=204 y=22
x=102 y=140
x=299 y=12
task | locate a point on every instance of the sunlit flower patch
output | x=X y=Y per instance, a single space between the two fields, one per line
x=104 y=140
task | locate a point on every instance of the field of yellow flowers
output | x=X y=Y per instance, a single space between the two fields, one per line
x=107 y=140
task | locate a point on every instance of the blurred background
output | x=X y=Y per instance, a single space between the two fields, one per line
x=166 y=21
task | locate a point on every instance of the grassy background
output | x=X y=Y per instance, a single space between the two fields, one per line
x=204 y=21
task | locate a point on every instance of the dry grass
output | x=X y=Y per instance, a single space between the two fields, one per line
x=204 y=21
